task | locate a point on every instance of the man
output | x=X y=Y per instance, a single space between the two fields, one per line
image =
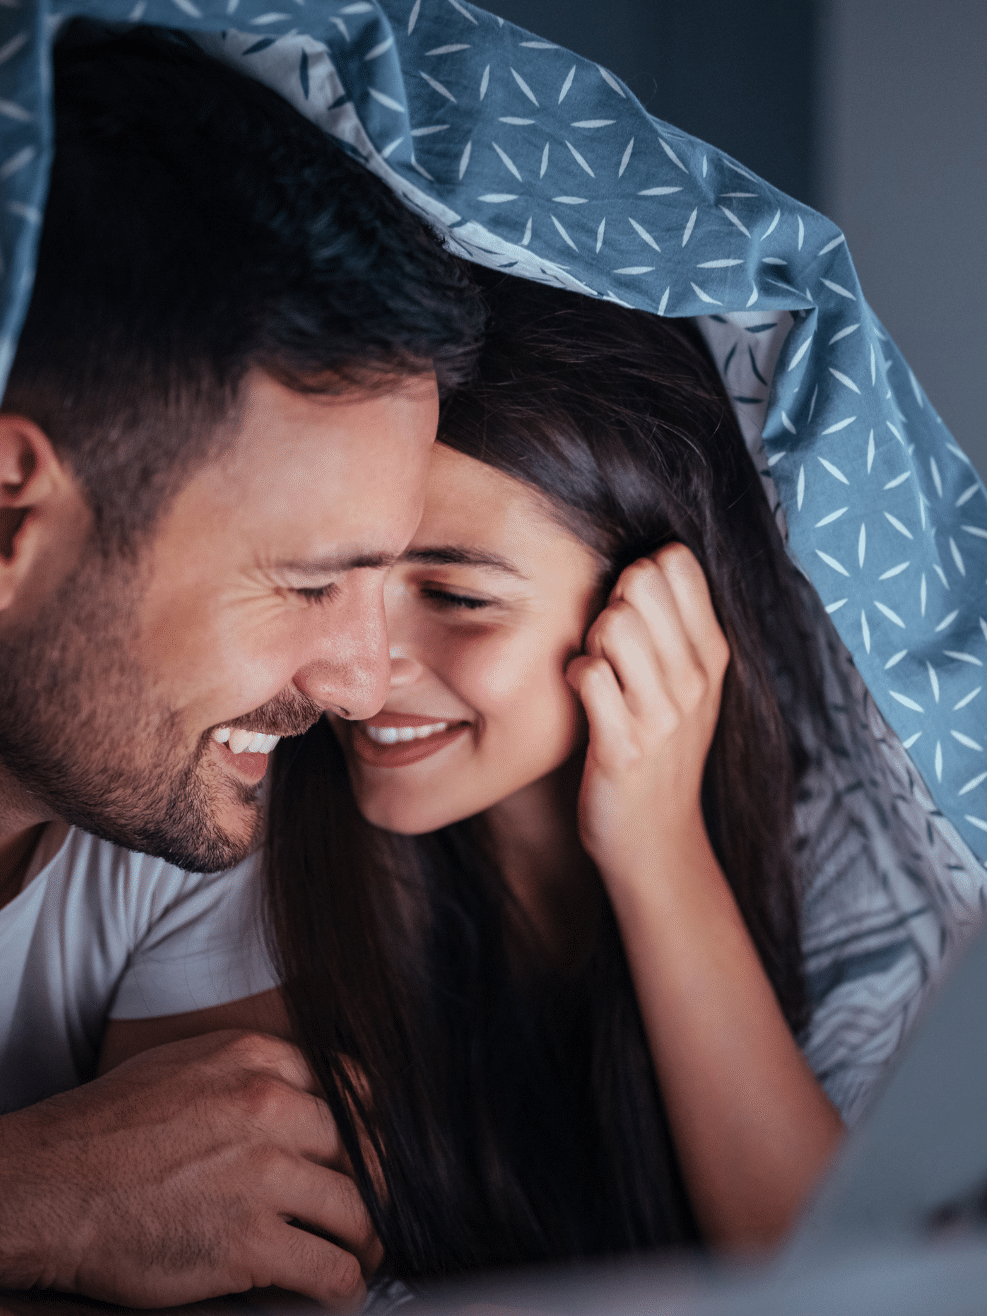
x=212 y=445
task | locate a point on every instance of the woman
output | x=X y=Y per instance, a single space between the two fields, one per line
x=538 y=919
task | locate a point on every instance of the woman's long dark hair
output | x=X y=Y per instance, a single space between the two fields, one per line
x=513 y=1111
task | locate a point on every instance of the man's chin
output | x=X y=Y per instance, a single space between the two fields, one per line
x=234 y=838
x=207 y=853
x=216 y=826
x=192 y=835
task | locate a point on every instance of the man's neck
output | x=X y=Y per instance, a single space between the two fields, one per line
x=22 y=823
x=15 y=858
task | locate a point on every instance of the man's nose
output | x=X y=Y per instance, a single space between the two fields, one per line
x=349 y=671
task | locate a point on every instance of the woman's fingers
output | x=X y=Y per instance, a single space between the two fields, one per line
x=655 y=659
x=688 y=586
x=671 y=592
x=623 y=638
x=654 y=656
x=594 y=680
x=650 y=682
x=645 y=589
x=660 y=634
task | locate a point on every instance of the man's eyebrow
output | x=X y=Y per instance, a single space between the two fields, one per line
x=453 y=555
x=333 y=563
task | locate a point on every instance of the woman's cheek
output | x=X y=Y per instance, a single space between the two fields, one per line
x=517 y=685
x=488 y=669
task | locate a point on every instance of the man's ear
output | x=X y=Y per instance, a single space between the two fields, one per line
x=38 y=498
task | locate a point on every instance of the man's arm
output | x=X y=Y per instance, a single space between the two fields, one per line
x=263 y=1013
x=173 y=1178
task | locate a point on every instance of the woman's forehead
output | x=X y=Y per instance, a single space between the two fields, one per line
x=477 y=515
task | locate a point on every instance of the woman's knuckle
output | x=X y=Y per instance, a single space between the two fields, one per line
x=604 y=630
x=678 y=557
x=669 y=720
x=639 y=570
x=641 y=579
x=618 y=617
x=695 y=686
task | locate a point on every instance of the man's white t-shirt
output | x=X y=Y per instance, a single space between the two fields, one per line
x=98 y=933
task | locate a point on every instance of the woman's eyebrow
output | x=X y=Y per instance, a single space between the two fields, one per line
x=453 y=555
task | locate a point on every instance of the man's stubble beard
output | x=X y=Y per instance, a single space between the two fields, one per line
x=83 y=734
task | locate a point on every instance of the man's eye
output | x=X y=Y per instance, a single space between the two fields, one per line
x=318 y=593
x=447 y=599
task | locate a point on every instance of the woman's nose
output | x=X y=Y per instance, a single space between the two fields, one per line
x=405 y=670
x=403 y=632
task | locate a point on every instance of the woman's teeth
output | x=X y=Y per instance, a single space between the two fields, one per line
x=391 y=735
x=245 y=742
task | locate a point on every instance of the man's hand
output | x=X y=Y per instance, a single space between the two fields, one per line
x=174 y=1178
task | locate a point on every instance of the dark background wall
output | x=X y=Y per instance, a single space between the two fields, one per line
x=902 y=168
x=873 y=111
x=732 y=73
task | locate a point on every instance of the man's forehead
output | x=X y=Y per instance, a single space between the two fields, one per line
x=275 y=427
x=298 y=497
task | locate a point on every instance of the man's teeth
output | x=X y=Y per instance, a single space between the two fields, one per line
x=245 y=742
x=391 y=735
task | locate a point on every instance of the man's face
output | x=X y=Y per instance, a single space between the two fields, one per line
x=256 y=605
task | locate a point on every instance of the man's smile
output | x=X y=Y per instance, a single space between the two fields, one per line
x=241 y=741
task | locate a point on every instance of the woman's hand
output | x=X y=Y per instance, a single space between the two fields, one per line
x=752 y=1127
x=650 y=682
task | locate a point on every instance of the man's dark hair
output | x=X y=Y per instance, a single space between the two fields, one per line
x=198 y=227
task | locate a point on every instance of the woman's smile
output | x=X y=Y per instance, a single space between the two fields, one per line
x=393 y=740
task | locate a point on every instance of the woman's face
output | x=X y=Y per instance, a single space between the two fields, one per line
x=484 y=610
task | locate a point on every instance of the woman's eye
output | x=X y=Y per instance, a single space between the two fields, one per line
x=447 y=599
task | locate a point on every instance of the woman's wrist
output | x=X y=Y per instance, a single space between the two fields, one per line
x=678 y=861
